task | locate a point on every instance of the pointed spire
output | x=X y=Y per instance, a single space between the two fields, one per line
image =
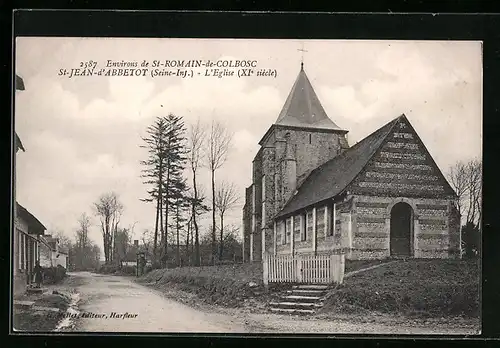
x=303 y=108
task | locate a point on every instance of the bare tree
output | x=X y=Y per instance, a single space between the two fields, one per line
x=226 y=197
x=196 y=138
x=217 y=147
x=457 y=175
x=84 y=223
x=109 y=209
x=466 y=180
x=474 y=178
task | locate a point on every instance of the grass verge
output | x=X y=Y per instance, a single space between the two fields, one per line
x=32 y=320
x=422 y=288
x=225 y=285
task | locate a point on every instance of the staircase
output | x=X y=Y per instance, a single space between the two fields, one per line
x=302 y=299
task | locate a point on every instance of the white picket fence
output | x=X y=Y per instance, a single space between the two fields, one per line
x=311 y=269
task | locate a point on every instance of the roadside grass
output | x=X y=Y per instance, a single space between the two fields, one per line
x=419 y=288
x=226 y=285
x=355 y=265
x=32 y=320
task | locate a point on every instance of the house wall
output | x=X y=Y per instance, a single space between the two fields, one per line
x=20 y=257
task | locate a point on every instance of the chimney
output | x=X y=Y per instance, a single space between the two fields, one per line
x=136 y=243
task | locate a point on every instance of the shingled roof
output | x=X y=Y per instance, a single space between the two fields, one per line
x=331 y=178
x=302 y=107
x=34 y=225
x=19 y=83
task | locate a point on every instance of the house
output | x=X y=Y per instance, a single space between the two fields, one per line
x=313 y=194
x=52 y=254
x=27 y=239
x=27 y=229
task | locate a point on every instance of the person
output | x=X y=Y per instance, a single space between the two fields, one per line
x=38 y=274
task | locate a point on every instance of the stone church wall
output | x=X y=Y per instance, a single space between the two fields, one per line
x=431 y=227
x=323 y=146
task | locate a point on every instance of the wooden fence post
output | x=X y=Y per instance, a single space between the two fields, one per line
x=265 y=269
x=342 y=267
x=298 y=268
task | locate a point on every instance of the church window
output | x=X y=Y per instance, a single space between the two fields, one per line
x=297 y=227
x=288 y=228
x=320 y=223
x=309 y=223
x=310 y=138
x=331 y=220
x=303 y=227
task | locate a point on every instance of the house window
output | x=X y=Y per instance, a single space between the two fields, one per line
x=22 y=247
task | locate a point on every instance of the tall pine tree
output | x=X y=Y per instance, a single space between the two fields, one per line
x=154 y=173
x=175 y=160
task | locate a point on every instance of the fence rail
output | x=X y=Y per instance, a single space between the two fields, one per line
x=312 y=269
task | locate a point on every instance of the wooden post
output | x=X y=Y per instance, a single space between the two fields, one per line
x=298 y=268
x=325 y=221
x=275 y=237
x=292 y=235
x=265 y=270
x=342 y=268
x=314 y=231
x=334 y=218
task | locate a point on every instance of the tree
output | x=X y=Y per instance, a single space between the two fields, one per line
x=226 y=197
x=122 y=244
x=217 y=147
x=109 y=209
x=466 y=180
x=457 y=177
x=175 y=158
x=196 y=138
x=154 y=172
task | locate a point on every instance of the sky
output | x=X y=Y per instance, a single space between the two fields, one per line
x=82 y=134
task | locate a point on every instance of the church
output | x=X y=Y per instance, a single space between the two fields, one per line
x=313 y=194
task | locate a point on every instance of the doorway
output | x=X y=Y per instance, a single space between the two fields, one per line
x=401 y=240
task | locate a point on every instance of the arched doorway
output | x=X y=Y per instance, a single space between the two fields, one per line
x=401 y=242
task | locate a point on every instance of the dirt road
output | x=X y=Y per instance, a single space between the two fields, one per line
x=117 y=304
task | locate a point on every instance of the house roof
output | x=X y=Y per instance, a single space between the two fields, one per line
x=302 y=108
x=331 y=178
x=19 y=144
x=19 y=83
x=33 y=223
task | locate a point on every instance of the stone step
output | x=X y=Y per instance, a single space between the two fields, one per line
x=299 y=298
x=305 y=292
x=292 y=311
x=297 y=304
x=311 y=287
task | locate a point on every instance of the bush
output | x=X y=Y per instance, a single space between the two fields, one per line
x=108 y=269
x=53 y=275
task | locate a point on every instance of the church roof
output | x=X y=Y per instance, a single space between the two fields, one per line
x=331 y=178
x=302 y=107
